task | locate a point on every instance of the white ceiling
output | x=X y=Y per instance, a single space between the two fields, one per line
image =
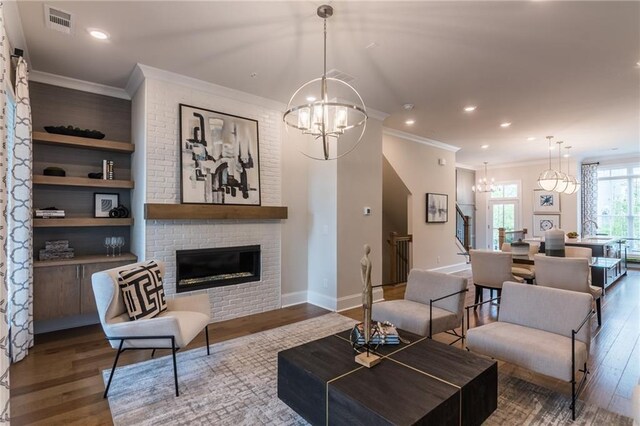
x=562 y=68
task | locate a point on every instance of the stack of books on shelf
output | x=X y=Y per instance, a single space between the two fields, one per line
x=47 y=214
x=107 y=170
x=54 y=250
x=386 y=334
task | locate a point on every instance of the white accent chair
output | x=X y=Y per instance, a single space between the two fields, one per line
x=433 y=303
x=173 y=329
x=541 y=329
x=489 y=270
x=568 y=273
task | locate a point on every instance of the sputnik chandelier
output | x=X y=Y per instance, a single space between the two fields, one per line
x=320 y=110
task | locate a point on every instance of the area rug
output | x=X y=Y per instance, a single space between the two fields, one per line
x=237 y=385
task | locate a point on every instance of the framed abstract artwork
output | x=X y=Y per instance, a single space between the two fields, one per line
x=437 y=208
x=544 y=222
x=103 y=203
x=546 y=201
x=219 y=161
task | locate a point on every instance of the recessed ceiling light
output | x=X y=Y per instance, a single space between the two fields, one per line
x=484 y=146
x=409 y=122
x=311 y=98
x=506 y=124
x=638 y=64
x=614 y=149
x=407 y=107
x=566 y=155
x=531 y=138
x=98 y=34
x=470 y=108
x=372 y=45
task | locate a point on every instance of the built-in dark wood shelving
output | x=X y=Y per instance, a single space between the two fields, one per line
x=79 y=181
x=78 y=142
x=71 y=222
x=80 y=260
x=208 y=211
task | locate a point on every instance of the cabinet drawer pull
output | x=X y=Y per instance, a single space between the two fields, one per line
x=77 y=272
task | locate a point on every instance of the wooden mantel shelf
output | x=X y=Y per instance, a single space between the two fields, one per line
x=209 y=211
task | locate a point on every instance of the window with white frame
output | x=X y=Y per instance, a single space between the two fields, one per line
x=618 y=211
x=504 y=210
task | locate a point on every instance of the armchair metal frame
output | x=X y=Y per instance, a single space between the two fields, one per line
x=452 y=333
x=173 y=348
x=575 y=392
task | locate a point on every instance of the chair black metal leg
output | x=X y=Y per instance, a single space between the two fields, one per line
x=113 y=369
x=206 y=333
x=153 y=352
x=478 y=296
x=175 y=365
x=599 y=310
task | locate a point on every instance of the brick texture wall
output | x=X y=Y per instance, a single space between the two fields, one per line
x=163 y=238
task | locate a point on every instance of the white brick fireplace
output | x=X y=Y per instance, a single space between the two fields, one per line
x=160 y=159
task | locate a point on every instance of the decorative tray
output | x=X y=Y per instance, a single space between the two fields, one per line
x=74 y=131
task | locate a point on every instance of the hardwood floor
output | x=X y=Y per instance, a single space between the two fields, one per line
x=60 y=382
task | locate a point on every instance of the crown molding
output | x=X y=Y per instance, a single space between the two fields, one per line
x=215 y=89
x=419 y=139
x=378 y=115
x=73 y=83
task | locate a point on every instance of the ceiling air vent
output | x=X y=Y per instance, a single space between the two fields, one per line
x=57 y=19
x=334 y=73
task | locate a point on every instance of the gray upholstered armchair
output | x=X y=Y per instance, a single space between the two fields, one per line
x=174 y=328
x=433 y=303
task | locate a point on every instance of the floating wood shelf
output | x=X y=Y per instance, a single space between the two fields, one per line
x=79 y=181
x=78 y=142
x=81 y=222
x=208 y=211
x=79 y=260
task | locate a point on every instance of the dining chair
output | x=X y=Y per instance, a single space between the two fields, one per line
x=568 y=273
x=526 y=272
x=490 y=269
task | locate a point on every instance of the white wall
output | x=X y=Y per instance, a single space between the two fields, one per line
x=417 y=165
x=527 y=175
x=138 y=169
x=156 y=98
x=359 y=181
x=295 y=195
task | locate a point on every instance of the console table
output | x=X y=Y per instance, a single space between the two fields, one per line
x=424 y=382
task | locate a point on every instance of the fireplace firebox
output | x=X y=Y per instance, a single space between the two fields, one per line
x=216 y=267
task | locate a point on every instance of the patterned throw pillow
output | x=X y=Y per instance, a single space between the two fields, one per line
x=142 y=291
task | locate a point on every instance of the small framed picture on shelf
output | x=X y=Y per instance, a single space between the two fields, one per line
x=544 y=222
x=546 y=201
x=103 y=203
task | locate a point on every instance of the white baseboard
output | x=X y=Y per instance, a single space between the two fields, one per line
x=293 y=298
x=321 y=300
x=456 y=267
x=355 y=300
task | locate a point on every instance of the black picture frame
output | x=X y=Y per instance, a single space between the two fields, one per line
x=220 y=165
x=103 y=202
x=437 y=208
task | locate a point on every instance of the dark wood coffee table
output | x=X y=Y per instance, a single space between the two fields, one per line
x=424 y=382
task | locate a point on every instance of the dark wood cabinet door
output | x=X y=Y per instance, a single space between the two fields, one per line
x=56 y=293
x=87 y=300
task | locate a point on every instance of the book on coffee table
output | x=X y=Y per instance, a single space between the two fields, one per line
x=386 y=334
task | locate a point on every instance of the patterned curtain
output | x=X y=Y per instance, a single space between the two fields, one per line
x=4 y=329
x=589 y=198
x=20 y=241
